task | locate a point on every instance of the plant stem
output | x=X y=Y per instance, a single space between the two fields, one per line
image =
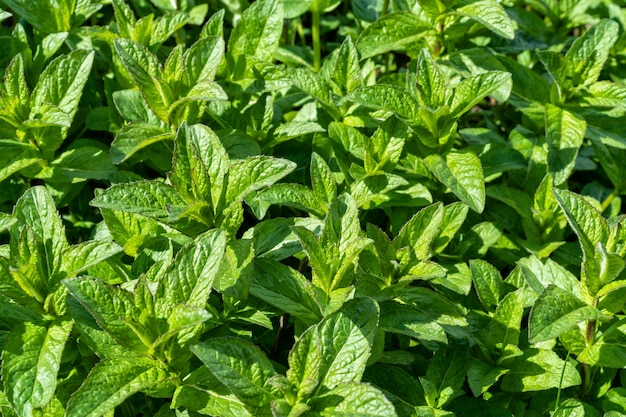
x=558 y=394
x=607 y=202
x=317 y=46
x=590 y=334
x=385 y=8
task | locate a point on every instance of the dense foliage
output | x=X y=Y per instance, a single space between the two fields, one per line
x=313 y=208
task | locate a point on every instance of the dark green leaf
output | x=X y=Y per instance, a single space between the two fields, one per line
x=587 y=222
x=555 y=312
x=61 y=84
x=111 y=382
x=148 y=198
x=487 y=282
x=190 y=278
x=391 y=32
x=31 y=361
x=243 y=368
x=358 y=400
x=538 y=369
x=490 y=13
x=258 y=32
x=134 y=137
x=387 y=97
x=564 y=133
x=463 y=174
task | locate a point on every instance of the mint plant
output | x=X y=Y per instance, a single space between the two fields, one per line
x=277 y=208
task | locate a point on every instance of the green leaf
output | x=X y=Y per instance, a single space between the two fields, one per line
x=6 y=221
x=165 y=26
x=78 y=258
x=346 y=71
x=202 y=59
x=356 y=400
x=92 y=336
x=587 y=222
x=453 y=217
x=36 y=209
x=61 y=83
x=447 y=371
x=255 y=173
x=564 y=133
x=572 y=407
x=413 y=322
x=297 y=196
x=602 y=269
x=235 y=273
x=397 y=384
x=538 y=369
x=345 y=342
x=504 y=328
x=489 y=13
x=111 y=382
x=113 y=308
x=609 y=349
x=214 y=25
x=376 y=190
x=317 y=87
x=31 y=362
x=615 y=400
x=258 y=32
x=557 y=311
x=611 y=153
x=387 y=97
x=384 y=148
x=148 y=198
x=560 y=69
x=132 y=106
x=124 y=17
x=422 y=314
x=481 y=376
x=473 y=90
x=134 y=137
x=17 y=86
x=243 y=368
x=590 y=51
x=432 y=84
x=48 y=16
x=145 y=69
x=293 y=129
x=274 y=238
x=286 y=289
x=15 y=156
x=78 y=164
x=367 y=10
x=391 y=32
x=190 y=277
x=541 y=274
x=417 y=234
x=462 y=173
x=181 y=318
x=204 y=393
x=322 y=180
x=295 y=8
x=200 y=164
x=487 y=282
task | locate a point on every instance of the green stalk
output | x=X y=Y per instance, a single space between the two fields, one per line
x=590 y=335
x=179 y=35
x=558 y=393
x=607 y=202
x=385 y=8
x=317 y=44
